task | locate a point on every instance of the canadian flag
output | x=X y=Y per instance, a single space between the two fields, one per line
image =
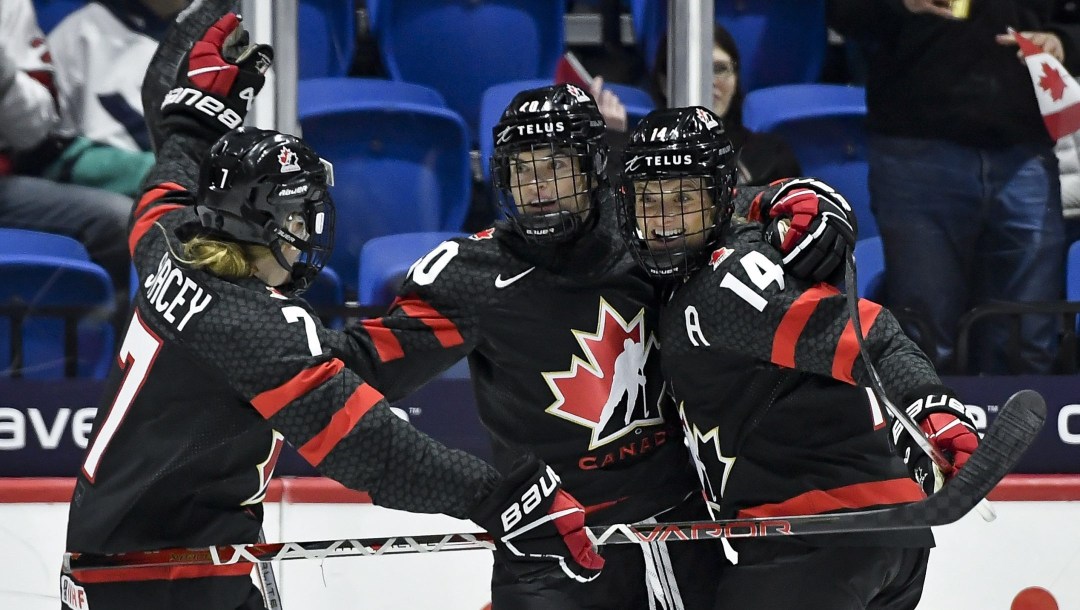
x=1058 y=92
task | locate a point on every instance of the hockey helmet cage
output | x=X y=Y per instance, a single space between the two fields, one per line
x=549 y=162
x=675 y=199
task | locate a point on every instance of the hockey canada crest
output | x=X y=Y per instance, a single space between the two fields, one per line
x=718 y=256
x=287 y=158
x=487 y=233
x=605 y=391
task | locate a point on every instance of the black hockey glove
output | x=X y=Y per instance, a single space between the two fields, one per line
x=538 y=525
x=946 y=425
x=217 y=81
x=812 y=226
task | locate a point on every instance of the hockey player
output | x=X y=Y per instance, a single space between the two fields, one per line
x=765 y=371
x=558 y=325
x=222 y=362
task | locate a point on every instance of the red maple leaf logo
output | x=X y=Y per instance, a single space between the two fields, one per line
x=603 y=390
x=485 y=234
x=1052 y=82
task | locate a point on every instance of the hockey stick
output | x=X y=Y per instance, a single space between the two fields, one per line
x=1016 y=426
x=985 y=510
x=270 y=592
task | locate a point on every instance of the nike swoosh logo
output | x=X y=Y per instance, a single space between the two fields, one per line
x=501 y=283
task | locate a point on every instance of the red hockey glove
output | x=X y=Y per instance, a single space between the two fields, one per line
x=812 y=226
x=217 y=81
x=537 y=524
x=947 y=426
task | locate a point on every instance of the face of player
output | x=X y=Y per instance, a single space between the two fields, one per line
x=724 y=80
x=673 y=214
x=268 y=269
x=546 y=180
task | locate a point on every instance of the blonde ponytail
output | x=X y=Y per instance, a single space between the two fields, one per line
x=224 y=259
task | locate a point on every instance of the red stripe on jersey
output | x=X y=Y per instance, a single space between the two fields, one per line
x=386 y=343
x=143 y=224
x=754 y=213
x=158 y=573
x=144 y=220
x=794 y=322
x=860 y=495
x=848 y=348
x=154 y=194
x=445 y=330
x=271 y=401
x=346 y=418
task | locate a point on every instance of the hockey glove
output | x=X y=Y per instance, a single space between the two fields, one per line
x=948 y=428
x=812 y=226
x=217 y=81
x=538 y=525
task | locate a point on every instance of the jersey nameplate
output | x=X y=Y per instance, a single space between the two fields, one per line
x=174 y=295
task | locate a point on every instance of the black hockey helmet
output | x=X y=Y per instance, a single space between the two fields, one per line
x=268 y=188
x=678 y=174
x=549 y=151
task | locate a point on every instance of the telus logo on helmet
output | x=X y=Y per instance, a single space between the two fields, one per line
x=635 y=162
x=549 y=127
x=205 y=104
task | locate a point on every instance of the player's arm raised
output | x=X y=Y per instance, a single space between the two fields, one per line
x=804 y=326
x=807 y=221
x=215 y=84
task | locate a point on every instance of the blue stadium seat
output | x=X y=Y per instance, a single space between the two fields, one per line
x=462 y=47
x=650 y=23
x=326 y=33
x=385 y=260
x=495 y=99
x=316 y=95
x=870 y=263
x=779 y=41
x=38 y=253
x=1072 y=273
x=52 y=12
x=24 y=241
x=398 y=167
x=43 y=282
x=826 y=127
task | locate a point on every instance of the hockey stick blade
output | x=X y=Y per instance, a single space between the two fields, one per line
x=1017 y=424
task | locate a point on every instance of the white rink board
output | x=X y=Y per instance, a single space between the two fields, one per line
x=977 y=565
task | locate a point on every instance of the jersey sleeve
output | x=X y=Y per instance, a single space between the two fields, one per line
x=433 y=323
x=273 y=357
x=746 y=303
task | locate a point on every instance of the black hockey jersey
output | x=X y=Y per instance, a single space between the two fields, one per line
x=212 y=376
x=561 y=343
x=764 y=369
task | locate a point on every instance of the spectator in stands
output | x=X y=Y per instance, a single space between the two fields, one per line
x=963 y=178
x=28 y=115
x=763 y=157
x=100 y=84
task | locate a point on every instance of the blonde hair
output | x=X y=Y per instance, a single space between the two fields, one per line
x=225 y=259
